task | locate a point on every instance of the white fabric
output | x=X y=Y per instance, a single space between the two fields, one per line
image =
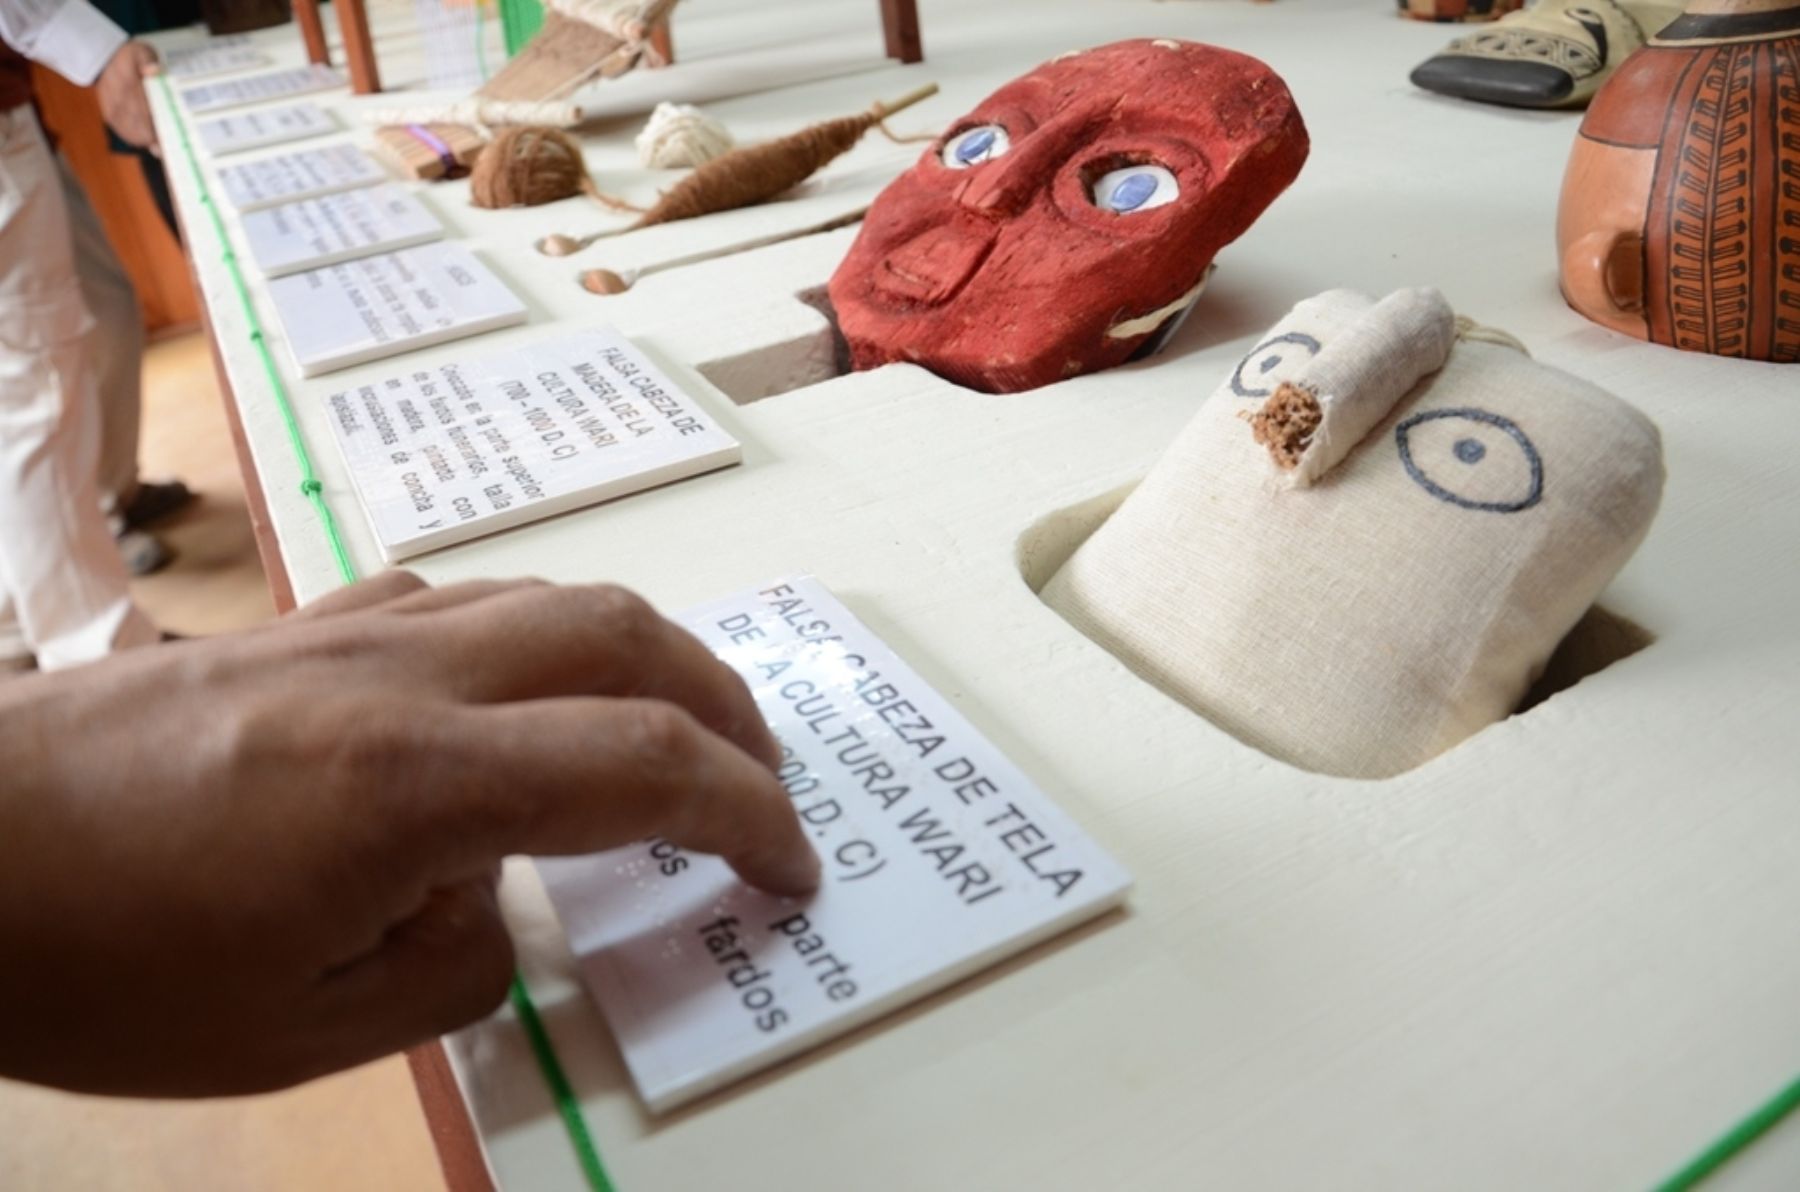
x=1360 y=374
x=118 y=354
x=624 y=19
x=479 y=111
x=63 y=591
x=1365 y=623
x=71 y=37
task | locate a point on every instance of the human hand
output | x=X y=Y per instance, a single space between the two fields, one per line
x=120 y=88
x=239 y=862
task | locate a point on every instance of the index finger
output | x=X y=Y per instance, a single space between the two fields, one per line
x=571 y=776
x=543 y=641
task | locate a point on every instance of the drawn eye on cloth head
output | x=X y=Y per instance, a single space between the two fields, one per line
x=973 y=146
x=1472 y=459
x=1131 y=189
x=1271 y=362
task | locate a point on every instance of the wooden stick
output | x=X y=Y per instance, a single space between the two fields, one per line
x=884 y=110
x=900 y=26
x=359 y=48
x=312 y=31
x=606 y=282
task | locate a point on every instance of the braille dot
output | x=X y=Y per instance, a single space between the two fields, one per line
x=1470 y=451
x=1133 y=193
x=975 y=146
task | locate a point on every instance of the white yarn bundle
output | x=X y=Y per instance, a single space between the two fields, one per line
x=481 y=112
x=680 y=135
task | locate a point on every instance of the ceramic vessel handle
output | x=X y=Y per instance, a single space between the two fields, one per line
x=1602 y=277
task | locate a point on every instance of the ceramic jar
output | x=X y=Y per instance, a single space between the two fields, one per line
x=1680 y=214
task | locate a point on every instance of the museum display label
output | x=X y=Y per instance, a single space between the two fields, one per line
x=212 y=57
x=266 y=126
x=383 y=305
x=277 y=84
x=468 y=447
x=340 y=227
x=302 y=174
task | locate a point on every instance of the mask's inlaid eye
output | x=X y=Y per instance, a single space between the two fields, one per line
x=1271 y=362
x=1472 y=459
x=975 y=146
x=1135 y=188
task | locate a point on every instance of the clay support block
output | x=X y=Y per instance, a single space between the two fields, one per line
x=312 y=31
x=359 y=48
x=900 y=24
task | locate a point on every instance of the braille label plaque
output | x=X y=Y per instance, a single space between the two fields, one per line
x=940 y=858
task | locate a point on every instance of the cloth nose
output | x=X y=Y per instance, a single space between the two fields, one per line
x=1005 y=186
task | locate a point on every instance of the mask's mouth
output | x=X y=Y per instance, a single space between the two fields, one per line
x=934 y=266
x=1165 y=317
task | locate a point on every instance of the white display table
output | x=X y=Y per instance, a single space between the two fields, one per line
x=1560 y=956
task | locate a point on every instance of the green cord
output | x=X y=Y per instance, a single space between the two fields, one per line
x=568 y=1105
x=1734 y=1140
x=310 y=488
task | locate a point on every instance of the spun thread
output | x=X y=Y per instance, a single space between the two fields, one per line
x=526 y=166
x=745 y=177
x=568 y=1104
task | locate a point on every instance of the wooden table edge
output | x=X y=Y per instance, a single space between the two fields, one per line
x=447 y=1119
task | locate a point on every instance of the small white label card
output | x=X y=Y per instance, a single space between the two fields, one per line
x=468 y=447
x=275 y=84
x=381 y=306
x=266 y=126
x=215 y=55
x=340 y=227
x=301 y=174
x=940 y=857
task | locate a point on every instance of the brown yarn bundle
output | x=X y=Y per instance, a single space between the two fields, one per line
x=528 y=165
x=745 y=177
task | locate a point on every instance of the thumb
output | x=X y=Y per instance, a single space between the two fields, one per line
x=443 y=968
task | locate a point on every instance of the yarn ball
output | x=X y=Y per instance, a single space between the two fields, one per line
x=527 y=165
x=681 y=135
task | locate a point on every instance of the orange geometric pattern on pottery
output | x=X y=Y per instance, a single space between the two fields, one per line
x=1786 y=282
x=1722 y=266
x=1632 y=110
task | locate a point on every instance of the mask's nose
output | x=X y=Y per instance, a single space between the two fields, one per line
x=1005 y=186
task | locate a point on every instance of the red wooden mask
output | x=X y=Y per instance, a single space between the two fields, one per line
x=1057 y=227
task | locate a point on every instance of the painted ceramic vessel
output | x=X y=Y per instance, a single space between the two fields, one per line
x=1680 y=213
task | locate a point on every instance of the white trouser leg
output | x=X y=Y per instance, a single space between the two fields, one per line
x=58 y=565
x=115 y=347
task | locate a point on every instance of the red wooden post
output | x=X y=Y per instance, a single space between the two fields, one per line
x=306 y=14
x=900 y=22
x=353 y=23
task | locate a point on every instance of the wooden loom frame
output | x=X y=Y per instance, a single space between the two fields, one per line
x=899 y=28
